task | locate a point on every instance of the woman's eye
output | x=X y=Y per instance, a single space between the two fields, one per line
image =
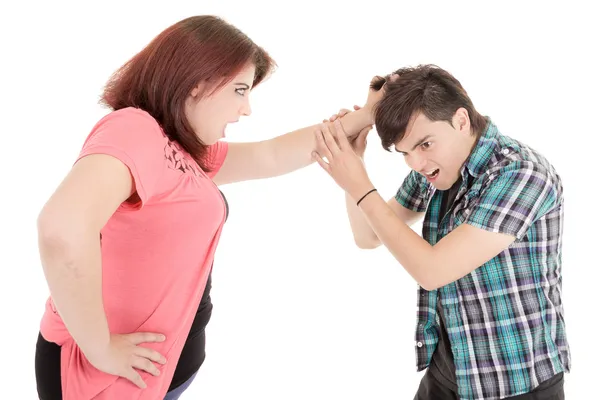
x=425 y=145
x=240 y=91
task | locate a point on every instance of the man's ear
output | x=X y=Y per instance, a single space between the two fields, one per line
x=461 y=121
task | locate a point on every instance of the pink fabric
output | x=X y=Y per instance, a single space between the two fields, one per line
x=156 y=255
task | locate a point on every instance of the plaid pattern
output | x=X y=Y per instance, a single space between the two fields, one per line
x=505 y=319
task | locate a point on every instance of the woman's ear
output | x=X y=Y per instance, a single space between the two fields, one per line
x=196 y=90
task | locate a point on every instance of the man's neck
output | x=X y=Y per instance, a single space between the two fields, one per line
x=474 y=139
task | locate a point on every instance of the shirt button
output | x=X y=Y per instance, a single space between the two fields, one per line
x=505 y=151
x=419 y=344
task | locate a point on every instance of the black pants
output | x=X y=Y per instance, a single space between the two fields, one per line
x=47 y=355
x=431 y=389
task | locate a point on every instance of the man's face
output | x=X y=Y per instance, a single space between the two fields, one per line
x=436 y=149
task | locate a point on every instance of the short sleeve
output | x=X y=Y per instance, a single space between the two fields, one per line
x=514 y=199
x=414 y=192
x=135 y=138
x=216 y=157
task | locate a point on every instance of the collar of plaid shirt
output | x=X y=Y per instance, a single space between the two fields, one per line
x=505 y=319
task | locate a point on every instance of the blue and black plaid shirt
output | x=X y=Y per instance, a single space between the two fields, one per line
x=505 y=319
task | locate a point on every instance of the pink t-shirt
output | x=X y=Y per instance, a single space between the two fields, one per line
x=156 y=255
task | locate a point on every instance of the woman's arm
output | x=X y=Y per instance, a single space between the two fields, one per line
x=282 y=154
x=69 y=241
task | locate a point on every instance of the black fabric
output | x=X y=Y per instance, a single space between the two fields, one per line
x=431 y=389
x=47 y=354
x=442 y=360
x=47 y=369
x=193 y=352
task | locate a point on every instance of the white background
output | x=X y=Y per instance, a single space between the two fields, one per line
x=300 y=313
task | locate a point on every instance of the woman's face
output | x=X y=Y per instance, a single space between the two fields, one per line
x=210 y=115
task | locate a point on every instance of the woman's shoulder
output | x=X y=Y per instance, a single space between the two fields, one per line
x=127 y=124
x=130 y=116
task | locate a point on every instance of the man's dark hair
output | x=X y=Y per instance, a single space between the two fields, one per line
x=427 y=89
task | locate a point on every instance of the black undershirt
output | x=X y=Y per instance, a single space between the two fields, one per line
x=442 y=360
x=47 y=356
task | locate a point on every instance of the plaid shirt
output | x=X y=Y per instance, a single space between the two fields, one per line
x=505 y=319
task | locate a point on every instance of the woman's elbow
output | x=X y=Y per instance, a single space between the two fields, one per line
x=51 y=228
x=59 y=237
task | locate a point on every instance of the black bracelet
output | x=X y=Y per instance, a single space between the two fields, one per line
x=361 y=199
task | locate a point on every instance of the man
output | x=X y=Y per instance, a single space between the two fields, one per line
x=490 y=315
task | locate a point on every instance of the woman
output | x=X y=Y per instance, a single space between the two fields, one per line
x=128 y=238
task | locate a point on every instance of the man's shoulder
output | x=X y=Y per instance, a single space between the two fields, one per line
x=513 y=155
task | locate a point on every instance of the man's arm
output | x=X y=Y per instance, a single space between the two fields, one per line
x=364 y=236
x=409 y=205
x=512 y=201
x=513 y=198
x=456 y=255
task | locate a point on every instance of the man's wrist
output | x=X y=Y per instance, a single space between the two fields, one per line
x=361 y=191
x=364 y=196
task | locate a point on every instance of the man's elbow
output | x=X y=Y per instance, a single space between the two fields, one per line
x=429 y=286
x=366 y=244
x=430 y=283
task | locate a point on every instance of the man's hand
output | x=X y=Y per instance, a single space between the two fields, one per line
x=343 y=164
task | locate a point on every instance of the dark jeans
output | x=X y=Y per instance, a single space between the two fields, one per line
x=47 y=357
x=431 y=389
x=178 y=391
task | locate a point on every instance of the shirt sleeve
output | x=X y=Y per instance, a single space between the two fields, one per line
x=414 y=192
x=514 y=199
x=135 y=138
x=216 y=157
